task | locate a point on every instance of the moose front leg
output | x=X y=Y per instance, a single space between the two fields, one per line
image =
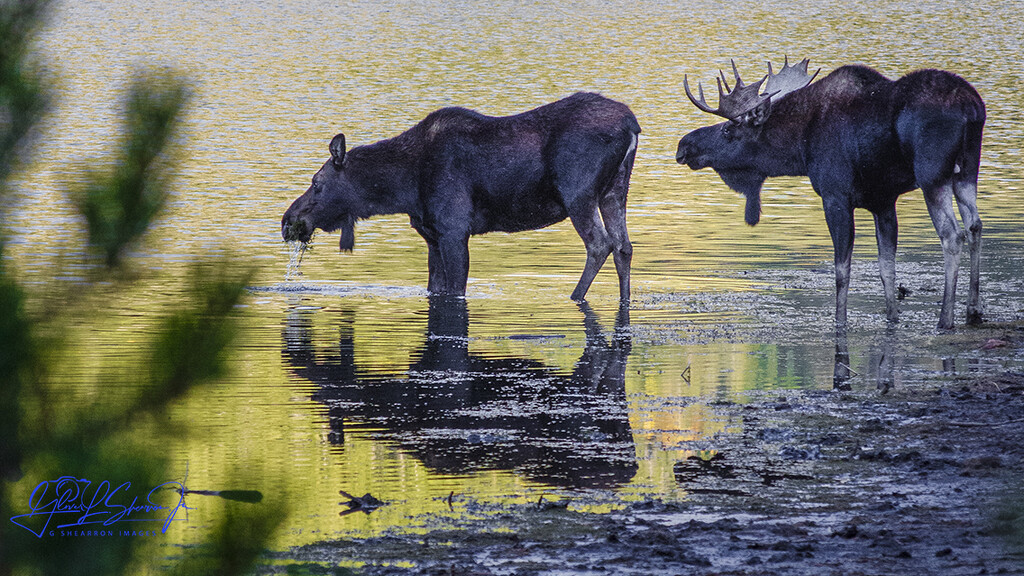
x=839 y=217
x=886 y=233
x=434 y=268
x=453 y=254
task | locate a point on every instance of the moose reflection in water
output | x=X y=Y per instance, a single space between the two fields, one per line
x=880 y=361
x=460 y=412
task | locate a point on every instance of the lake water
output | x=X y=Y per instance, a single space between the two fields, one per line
x=347 y=377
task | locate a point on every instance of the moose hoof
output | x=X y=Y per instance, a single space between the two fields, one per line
x=974 y=318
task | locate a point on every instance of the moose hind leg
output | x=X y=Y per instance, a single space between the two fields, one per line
x=589 y=226
x=886 y=233
x=966 y=193
x=613 y=213
x=939 y=199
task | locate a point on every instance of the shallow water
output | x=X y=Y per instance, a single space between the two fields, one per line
x=348 y=377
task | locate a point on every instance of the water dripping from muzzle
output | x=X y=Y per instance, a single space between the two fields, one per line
x=297 y=249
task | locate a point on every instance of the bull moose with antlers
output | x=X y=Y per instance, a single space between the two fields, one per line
x=863 y=140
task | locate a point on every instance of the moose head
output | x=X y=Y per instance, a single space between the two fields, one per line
x=740 y=150
x=332 y=202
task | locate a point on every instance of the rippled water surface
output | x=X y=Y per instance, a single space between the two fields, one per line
x=347 y=376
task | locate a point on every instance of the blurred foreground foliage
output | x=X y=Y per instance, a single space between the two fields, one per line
x=44 y=434
x=119 y=205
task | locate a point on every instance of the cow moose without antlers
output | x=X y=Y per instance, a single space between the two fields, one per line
x=863 y=140
x=457 y=173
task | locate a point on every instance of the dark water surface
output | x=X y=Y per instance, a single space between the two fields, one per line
x=347 y=376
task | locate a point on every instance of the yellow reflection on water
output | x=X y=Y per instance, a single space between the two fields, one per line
x=274 y=82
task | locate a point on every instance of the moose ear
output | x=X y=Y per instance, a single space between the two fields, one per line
x=337 y=148
x=758 y=115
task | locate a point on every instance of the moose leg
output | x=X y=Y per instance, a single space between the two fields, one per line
x=587 y=221
x=613 y=213
x=886 y=232
x=453 y=253
x=966 y=200
x=434 y=268
x=839 y=217
x=940 y=207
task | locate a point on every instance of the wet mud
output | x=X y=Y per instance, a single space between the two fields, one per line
x=925 y=478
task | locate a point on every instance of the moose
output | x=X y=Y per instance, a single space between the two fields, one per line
x=862 y=140
x=459 y=173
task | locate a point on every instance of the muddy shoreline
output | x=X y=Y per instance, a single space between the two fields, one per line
x=921 y=479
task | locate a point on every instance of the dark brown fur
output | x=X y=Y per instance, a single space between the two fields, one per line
x=458 y=173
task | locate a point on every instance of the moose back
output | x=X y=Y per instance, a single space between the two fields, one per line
x=863 y=140
x=458 y=173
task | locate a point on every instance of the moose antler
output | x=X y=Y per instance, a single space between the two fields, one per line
x=746 y=102
x=789 y=79
x=733 y=103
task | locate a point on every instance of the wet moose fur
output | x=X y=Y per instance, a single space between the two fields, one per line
x=458 y=173
x=863 y=140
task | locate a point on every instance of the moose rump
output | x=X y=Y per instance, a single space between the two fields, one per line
x=459 y=173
